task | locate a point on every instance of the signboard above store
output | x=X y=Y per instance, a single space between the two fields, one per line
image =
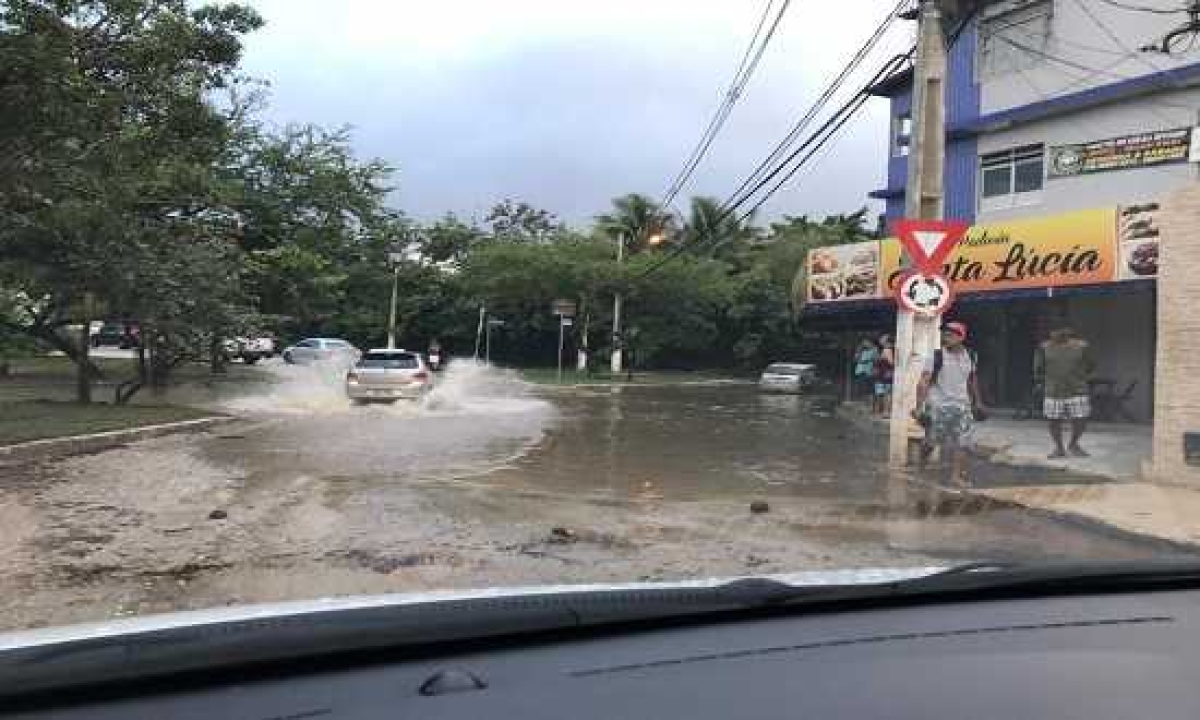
x=1084 y=247
x=1120 y=153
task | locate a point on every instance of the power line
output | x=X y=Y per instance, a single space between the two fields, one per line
x=744 y=72
x=819 y=137
x=1119 y=42
x=723 y=107
x=1089 y=72
x=824 y=98
x=1142 y=9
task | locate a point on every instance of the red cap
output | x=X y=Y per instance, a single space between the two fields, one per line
x=959 y=329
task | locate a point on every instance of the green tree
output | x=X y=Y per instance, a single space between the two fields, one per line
x=109 y=140
x=712 y=231
x=635 y=219
x=308 y=210
x=519 y=221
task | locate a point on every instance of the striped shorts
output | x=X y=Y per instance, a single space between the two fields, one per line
x=1072 y=408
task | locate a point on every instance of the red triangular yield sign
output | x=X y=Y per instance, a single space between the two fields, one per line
x=928 y=242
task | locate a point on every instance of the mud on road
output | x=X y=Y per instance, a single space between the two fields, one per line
x=487 y=487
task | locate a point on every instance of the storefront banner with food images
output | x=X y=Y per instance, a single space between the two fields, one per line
x=1119 y=153
x=1077 y=248
x=844 y=272
x=1085 y=247
x=1137 y=241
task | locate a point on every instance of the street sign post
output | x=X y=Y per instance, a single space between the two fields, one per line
x=565 y=310
x=926 y=295
x=922 y=295
x=929 y=242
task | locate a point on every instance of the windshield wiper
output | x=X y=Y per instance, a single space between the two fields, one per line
x=308 y=632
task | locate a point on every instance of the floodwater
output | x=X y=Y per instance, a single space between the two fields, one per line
x=487 y=482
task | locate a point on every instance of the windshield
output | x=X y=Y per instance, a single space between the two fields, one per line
x=664 y=301
x=389 y=361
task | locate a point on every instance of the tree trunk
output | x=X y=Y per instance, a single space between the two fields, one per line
x=83 y=365
x=216 y=356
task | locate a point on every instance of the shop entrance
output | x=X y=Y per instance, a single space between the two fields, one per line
x=1118 y=323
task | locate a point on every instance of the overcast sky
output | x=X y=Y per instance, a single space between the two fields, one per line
x=565 y=104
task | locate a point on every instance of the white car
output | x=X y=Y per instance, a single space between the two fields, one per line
x=788 y=377
x=249 y=349
x=311 y=350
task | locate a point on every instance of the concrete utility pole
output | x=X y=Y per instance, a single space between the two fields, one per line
x=916 y=337
x=395 y=259
x=616 y=330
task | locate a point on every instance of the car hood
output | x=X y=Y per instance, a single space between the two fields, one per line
x=116 y=628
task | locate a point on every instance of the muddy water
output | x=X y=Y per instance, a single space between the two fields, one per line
x=486 y=482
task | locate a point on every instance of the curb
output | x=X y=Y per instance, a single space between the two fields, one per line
x=1079 y=520
x=73 y=444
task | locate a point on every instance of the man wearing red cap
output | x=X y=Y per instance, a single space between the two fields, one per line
x=948 y=398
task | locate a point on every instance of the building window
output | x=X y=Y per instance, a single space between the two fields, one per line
x=901 y=134
x=1011 y=178
x=1012 y=36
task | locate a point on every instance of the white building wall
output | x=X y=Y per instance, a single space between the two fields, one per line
x=1163 y=111
x=1085 y=55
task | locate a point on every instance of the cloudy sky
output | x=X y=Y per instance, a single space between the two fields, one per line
x=565 y=104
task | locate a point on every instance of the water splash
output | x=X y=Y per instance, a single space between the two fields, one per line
x=465 y=387
x=314 y=389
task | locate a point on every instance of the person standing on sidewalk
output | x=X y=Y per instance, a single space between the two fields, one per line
x=864 y=368
x=885 y=369
x=1064 y=366
x=948 y=400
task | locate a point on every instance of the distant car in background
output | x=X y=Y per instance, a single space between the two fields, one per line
x=388 y=375
x=788 y=377
x=311 y=350
x=249 y=349
x=115 y=334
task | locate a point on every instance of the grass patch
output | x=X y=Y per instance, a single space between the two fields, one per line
x=37 y=420
x=60 y=366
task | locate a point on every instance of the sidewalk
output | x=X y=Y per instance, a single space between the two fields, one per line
x=1117 y=451
x=1121 y=500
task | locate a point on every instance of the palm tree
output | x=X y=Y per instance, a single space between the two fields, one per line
x=635 y=218
x=710 y=230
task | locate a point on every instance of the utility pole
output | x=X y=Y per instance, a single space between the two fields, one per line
x=917 y=337
x=395 y=259
x=479 y=329
x=616 y=329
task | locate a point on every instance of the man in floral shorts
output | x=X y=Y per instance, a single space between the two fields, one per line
x=948 y=399
x=1064 y=365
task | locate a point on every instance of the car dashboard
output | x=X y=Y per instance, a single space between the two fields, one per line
x=1091 y=657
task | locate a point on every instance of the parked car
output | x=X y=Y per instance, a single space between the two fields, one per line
x=114 y=334
x=312 y=350
x=388 y=375
x=788 y=377
x=249 y=349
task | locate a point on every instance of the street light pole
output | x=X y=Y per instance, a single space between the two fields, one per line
x=391 y=334
x=616 y=349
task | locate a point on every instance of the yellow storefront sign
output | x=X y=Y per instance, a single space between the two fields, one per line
x=1077 y=248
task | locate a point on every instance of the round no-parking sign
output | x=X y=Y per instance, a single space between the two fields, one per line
x=927 y=295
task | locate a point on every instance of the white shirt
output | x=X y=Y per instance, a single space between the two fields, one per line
x=953 y=382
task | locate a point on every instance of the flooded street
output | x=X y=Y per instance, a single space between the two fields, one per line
x=487 y=481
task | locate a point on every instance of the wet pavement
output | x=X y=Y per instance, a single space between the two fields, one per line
x=489 y=482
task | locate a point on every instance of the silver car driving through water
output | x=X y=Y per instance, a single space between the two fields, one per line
x=312 y=350
x=388 y=375
x=788 y=377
